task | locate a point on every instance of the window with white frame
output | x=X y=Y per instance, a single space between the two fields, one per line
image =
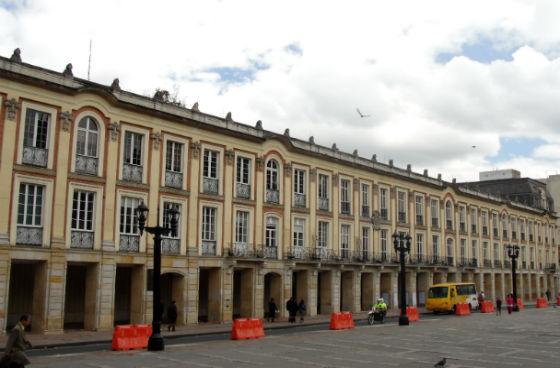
x=383 y=244
x=463 y=250
x=496 y=253
x=299 y=188
x=474 y=221
x=484 y=220
x=271 y=232
x=401 y=206
x=345 y=241
x=299 y=232
x=365 y=200
x=171 y=243
x=36 y=138
x=128 y=227
x=87 y=141
x=420 y=246
x=345 y=196
x=495 y=225
x=174 y=164
x=474 y=249
x=462 y=218
x=133 y=148
x=434 y=211
x=323 y=234
x=209 y=236
x=365 y=241
x=514 y=228
x=448 y=215
x=435 y=246
x=504 y=226
x=485 y=251
x=419 y=206
x=324 y=190
x=82 y=224
x=242 y=227
x=272 y=182
x=384 y=203
x=449 y=250
x=243 y=177
x=210 y=171
x=30 y=214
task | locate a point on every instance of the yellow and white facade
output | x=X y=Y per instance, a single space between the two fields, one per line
x=262 y=215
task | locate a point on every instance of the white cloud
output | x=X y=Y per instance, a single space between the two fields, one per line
x=378 y=56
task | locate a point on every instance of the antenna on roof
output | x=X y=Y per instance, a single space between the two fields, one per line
x=89 y=60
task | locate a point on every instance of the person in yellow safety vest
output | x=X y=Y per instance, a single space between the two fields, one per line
x=380 y=306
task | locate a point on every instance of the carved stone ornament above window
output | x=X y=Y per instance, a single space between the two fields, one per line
x=260 y=163
x=195 y=147
x=12 y=106
x=156 y=139
x=288 y=170
x=230 y=156
x=66 y=120
x=114 y=129
x=312 y=174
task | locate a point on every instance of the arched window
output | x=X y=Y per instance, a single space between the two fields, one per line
x=272 y=182
x=87 y=141
x=449 y=215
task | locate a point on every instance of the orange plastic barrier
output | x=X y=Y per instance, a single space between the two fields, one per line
x=128 y=337
x=558 y=301
x=542 y=303
x=486 y=307
x=412 y=314
x=341 y=321
x=520 y=304
x=462 y=309
x=244 y=328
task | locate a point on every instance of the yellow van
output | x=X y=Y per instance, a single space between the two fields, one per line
x=444 y=297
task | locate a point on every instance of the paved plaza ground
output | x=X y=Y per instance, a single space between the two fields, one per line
x=527 y=339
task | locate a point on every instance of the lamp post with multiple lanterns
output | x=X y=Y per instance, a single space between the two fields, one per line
x=513 y=253
x=402 y=246
x=155 y=343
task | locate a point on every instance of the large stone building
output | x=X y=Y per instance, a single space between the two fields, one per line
x=262 y=214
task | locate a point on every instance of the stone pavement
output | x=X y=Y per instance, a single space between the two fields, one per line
x=527 y=339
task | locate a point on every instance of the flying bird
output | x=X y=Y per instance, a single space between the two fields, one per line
x=473 y=146
x=441 y=363
x=362 y=115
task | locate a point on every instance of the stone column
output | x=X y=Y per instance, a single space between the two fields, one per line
x=110 y=210
x=376 y=286
x=411 y=288
x=287 y=291
x=55 y=278
x=193 y=274
x=335 y=292
x=192 y=244
x=395 y=290
x=227 y=294
x=357 y=292
x=259 y=293
x=228 y=181
x=5 y=266
x=539 y=289
x=106 y=280
x=7 y=150
x=259 y=197
x=312 y=292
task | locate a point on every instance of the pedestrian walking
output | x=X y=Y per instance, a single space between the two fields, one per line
x=292 y=308
x=171 y=316
x=301 y=309
x=480 y=299
x=14 y=355
x=509 y=303
x=498 y=306
x=272 y=310
x=547 y=293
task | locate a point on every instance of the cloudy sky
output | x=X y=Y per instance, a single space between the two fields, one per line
x=434 y=78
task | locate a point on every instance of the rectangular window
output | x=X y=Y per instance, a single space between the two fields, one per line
x=36 y=129
x=299 y=181
x=168 y=206
x=474 y=249
x=463 y=249
x=243 y=170
x=420 y=244
x=174 y=157
x=210 y=164
x=474 y=221
x=323 y=234
x=208 y=223
x=435 y=245
x=365 y=239
x=133 y=143
x=484 y=220
x=485 y=253
x=128 y=223
x=462 y=219
x=383 y=204
x=365 y=200
x=323 y=186
x=419 y=205
x=401 y=204
x=344 y=240
x=434 y=210
x=299 y=232
x=495 y=224
x=496 y=253
x=383 y=244
x=345 y=196
x=82 y=210
x=242 y=227
x=30 y=205
x=271 y=236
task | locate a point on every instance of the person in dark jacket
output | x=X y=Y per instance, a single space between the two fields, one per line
x=292 y=307
x=272 y=310
x=172 y=316
x=14 y=355
x=498 y=306
x=301 y=310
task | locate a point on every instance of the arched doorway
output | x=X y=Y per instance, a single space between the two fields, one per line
x=273 y=289
x=172 y=289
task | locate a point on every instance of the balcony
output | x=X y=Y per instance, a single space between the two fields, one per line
x=365 y=211
x=174 y=179
x=297 y=252
x=299 y=200
x=473 y=262
x=28 y=235
x=170 y=246
x=449 y=261
x=362 y=256
x=243 y=191
x=402 y=217
x=345 y=254
x=462 y=262
x=487 y=263
x=384 y=214
x=437 y=261
x=35 y=156
x=208 y=247
x=321 y=253
x=345 y=208
x=497 y=263
x=210 y=185
x=272 y=196
x=417 y=259
x=419 y=220
x=86 y=165
x=323 y=204
x=80 y=239
x=435 y=222
x=550 y=267
x=133 y=173
x=129 y=243
x=241 y=250
x=270 y=252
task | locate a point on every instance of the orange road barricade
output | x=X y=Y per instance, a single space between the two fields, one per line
x=126 y=337
x=486 y=307
x=412 y=314
x=143 y=333
x=462 y=309
x=243 y=328
x=341 y=321
x=520 y=304
x=541 y=303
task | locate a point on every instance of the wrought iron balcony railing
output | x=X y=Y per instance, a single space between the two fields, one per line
x=270 y=252
x=129 y=243
x=133 y=173
x=28 y=235
x=435 y=222
x=86 y=165
x=323 y=204
x=299 y=200
x=170 y=246
x=487 y=263
x=209 y=248
x=497 y=263
x=243 y=190
x=272 y=196
x=174 y=179
x=80 y=239
x=384 y=214
x=35 y=156
x=402 y=217
x=210 y=185
x=345 y=208
x=365 y=211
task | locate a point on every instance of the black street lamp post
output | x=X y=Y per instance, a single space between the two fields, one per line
x=513 y=253
x=402 y=246
x=155 y=343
